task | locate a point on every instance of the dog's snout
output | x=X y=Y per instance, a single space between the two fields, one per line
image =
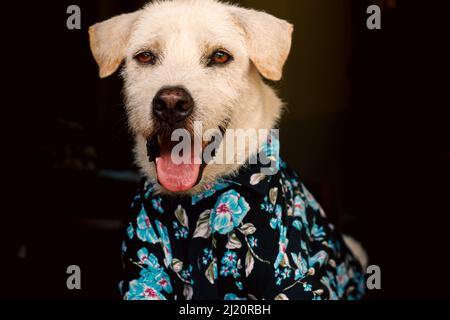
x=173 y=105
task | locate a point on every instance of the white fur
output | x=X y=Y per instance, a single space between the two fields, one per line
x=183 y=33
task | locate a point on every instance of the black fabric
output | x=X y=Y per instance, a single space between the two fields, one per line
x=253 y=236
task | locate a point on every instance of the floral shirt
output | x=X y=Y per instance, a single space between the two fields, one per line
x=252 y=236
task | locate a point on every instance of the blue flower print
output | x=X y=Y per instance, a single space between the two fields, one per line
x=148 y=190
x=210 y=191
x=307 y=287
x=156 y=204
x=232 y=296
x=228 y=212
x=180 y=232
x=334 y=246
x=361 y=286
x=319 y=259
x=277 y=221
x=153 y=279
x=215 y=271
x=159 y=281
x=299 y=206
x=286 y=273
x=301 y=264
x=165 y=242
x=252 y=241
x=303 y=245
x=282 y=274
x=145 y=231
x=282 y=246
x=318 y=232
x=147 y=260
x=130 y=231
x=271 y=148
x=273 y=223
x=341 y=279
x=310 y=200
x=297 y=225
x=225 y=271
x=152 y=273
x=240 y=231
x=235 y=273
x=186 y=274
x=287 y=187
x=140 y=290
x=329 y=282
x=294 y=181
x=267 y=205
x=229 y=265
x=207 y=256
x=135 y=201
x=229 y=259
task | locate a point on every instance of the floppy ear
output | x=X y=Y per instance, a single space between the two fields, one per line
x=109 y=39
x=268 y=40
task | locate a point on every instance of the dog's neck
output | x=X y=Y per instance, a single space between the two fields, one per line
x=265 y=108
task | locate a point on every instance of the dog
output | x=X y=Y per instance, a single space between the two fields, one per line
x=208 y=229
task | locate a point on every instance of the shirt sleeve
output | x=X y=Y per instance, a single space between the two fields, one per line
x=145 y=273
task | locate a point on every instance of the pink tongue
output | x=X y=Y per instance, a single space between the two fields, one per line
x=176 y=177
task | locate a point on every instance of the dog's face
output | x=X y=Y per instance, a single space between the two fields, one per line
x=188 y=62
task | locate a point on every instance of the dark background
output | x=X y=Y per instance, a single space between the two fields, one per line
x=367 y=127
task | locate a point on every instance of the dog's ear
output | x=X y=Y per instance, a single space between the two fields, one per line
x=268 y=40
x=108 y=41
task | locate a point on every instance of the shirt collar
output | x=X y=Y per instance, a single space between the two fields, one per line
x=257 y=175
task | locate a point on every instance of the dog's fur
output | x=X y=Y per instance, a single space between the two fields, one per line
x=183 y=33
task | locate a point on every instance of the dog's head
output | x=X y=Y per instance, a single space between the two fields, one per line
x=189 y=62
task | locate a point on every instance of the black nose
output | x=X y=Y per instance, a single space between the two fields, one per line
x=172 y=105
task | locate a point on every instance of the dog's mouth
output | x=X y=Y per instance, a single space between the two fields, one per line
x=178 y=172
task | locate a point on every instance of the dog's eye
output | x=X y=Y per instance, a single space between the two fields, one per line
x=219 y=57
x=146 y=57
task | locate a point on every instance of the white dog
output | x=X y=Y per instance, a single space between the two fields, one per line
x=183 y=42
x=203 y=61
